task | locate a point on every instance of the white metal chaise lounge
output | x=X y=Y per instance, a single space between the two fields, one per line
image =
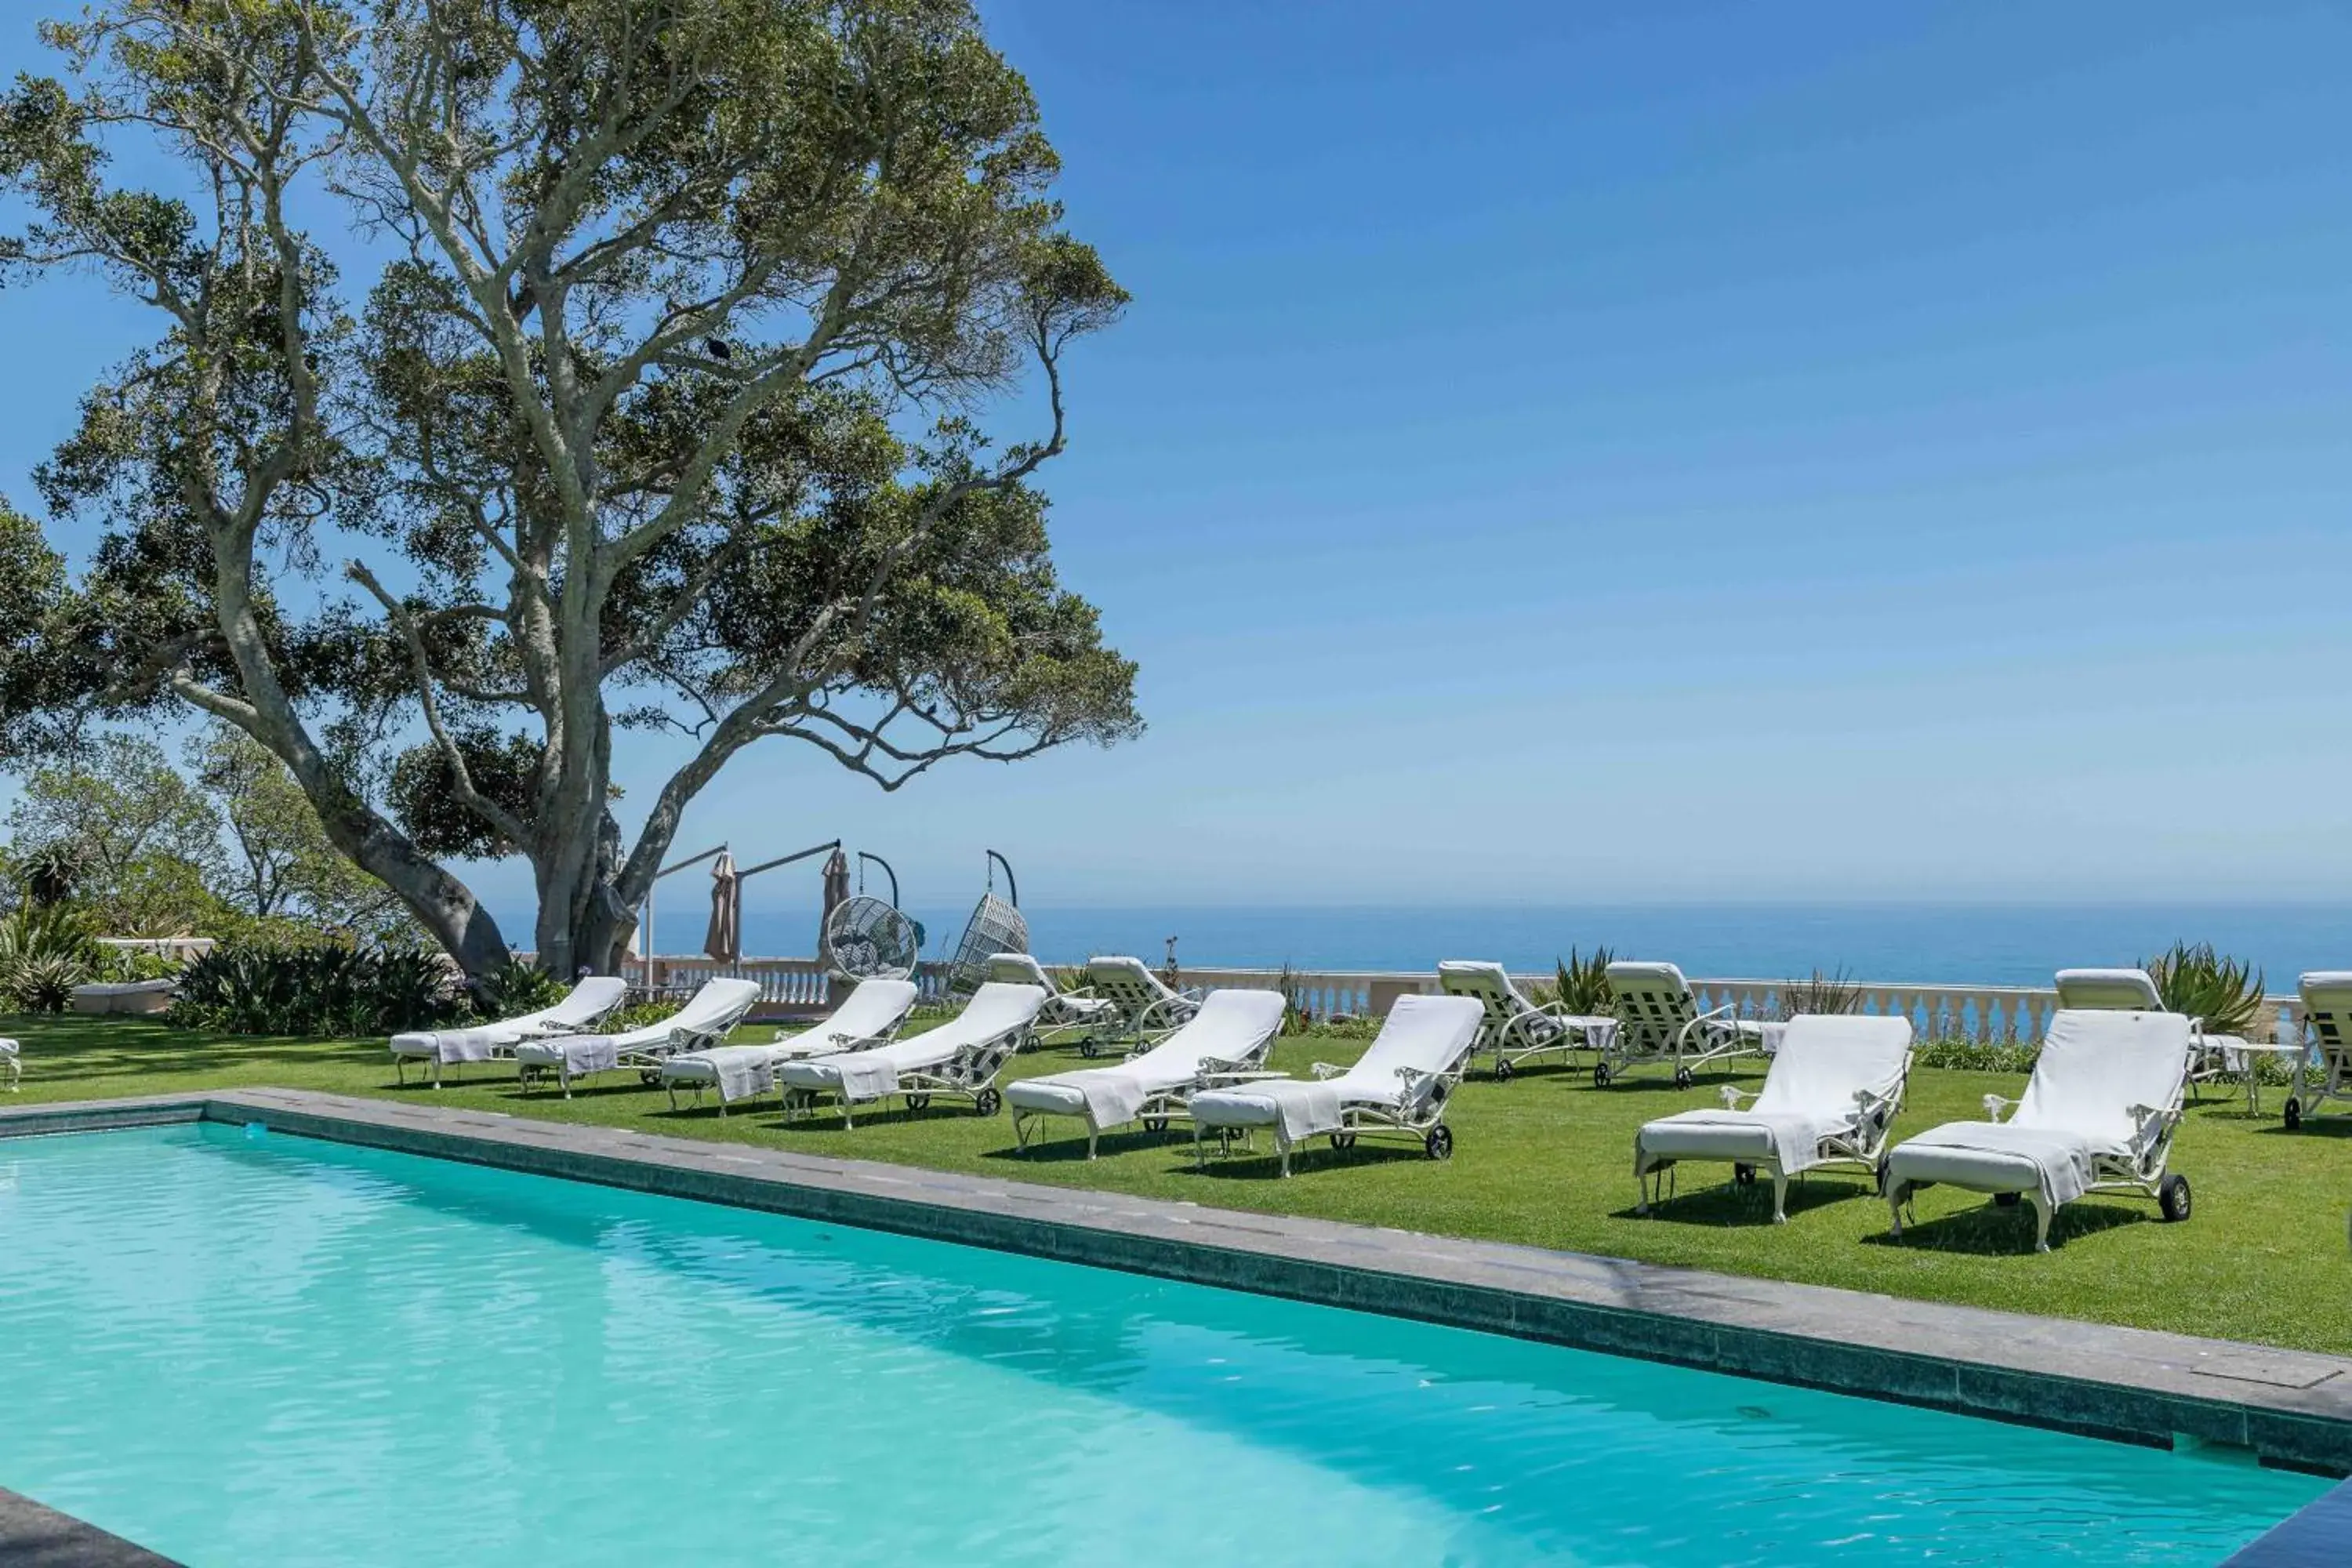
x=1069 y=1017
x=1829 y=1098
x=1516 y=1030
x=2210 y=1057
x=708 y=1017
x=1147 y=1007
x=2097 y=1116
x=1659 y=1023
x=962 y=1057
x=1223 y=1043
x=871 y=1014
x=587 y=1002
x=1398 y=1088
x=2328 y=1009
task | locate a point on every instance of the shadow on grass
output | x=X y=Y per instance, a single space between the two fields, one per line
x=1728 y=1203
x=1070 y=1148
x=2338 y=1125
x=1991 y=1229
x=1250 y=1164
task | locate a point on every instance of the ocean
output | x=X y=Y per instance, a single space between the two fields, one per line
x=1983 y=944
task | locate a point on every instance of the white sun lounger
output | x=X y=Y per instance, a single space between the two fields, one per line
x=1225 y=1041
x=2328 y=1009
x=708 y=1017
x=588 y=1001
x=1515 y=1030
x=871 y=1014
x=1398 y=1088
x=2097 y=1116
x=1146 y=1004
x=2210 y=1057
x=1829 y=1098
x=961 y=1057
x=1069 y=1017
x=1659 y=1023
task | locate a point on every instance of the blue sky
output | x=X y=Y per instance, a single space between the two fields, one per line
x=1659 y=450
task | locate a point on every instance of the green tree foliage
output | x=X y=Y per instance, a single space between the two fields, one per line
x=657 y=409
x=142 y=840
x=276 y=861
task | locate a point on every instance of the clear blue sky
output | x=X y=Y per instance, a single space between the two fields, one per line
x=1670 y=450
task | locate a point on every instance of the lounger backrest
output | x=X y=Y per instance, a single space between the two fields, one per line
x=995 y=1010
x=1653 y=1002
x=1233 y=1026
x=1018 y=969
x=2095 y=1065
x=1489 y=985
x=2114 y=990
x=715 y=1009
x=874 y=1008
x=589 y=1000
x=1826 y=1060
x=2327 y=1003
x=1127 y=982
x=1427 y=1034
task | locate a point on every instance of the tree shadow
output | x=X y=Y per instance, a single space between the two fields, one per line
x=1992 y=1230
x=1726 y=1203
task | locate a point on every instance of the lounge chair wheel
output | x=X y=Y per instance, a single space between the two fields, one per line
x=2293 y=1113
x=918 y=1102
x=1155 y=1125
x=2008 y=1200
x=1343 y=1140
x=650 y=1080
x=1682 y=1078
x=1744 y=1175
x=988 y=1102
x=2174 y=1198
x=1502 y=1070
x=1088 y=1049
x=1601 y=1075
x=1440 y=1142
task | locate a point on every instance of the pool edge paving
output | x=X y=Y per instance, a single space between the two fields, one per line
x=33 y=1536
x=2290 y=1407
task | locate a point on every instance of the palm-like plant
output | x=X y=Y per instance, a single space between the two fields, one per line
x=2226 y=992
x=45 y=951
x=1820 y=993
x=1582 y=983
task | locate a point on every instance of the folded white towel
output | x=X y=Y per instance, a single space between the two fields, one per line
x=2062 y=1159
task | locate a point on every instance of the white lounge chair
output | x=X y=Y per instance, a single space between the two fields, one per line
x=2210 y=1057
x=588 y=1001
x=1398 y=1088
x=1069 y=1017
x=1225 y=1042
x=2327 y=1010
x=1147 y=1005
x=708 y=1017
x=2097 y=1116
x=870 y=1016
x=103 y=996
x=1515 y=1030
x=1828 y=1098
x=10 y=1051
x=1659 y=1023
x=962 y=1057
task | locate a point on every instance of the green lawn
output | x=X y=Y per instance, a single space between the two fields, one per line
x=1544 y=1159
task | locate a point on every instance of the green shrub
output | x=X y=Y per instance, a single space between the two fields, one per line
x=516 y=987
x=1582 y=983
x=2226 y=992
x=1822 y=994
x=318 y=989
x=1960 y=1054
x=45 y=952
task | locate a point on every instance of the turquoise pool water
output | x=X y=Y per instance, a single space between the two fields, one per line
x=241 y=1350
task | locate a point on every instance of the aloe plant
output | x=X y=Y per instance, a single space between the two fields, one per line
x=2226 y=992
x=1582 y=983
x=1820 y=993
x=45 y=951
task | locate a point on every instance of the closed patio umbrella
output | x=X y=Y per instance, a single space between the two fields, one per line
x=836 y=893
x=724 y=941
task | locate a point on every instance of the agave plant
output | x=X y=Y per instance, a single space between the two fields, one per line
x=317 y=988
x=1820 y=993
x=516 y=987
x=45 y=951
x=2225 y=992
x=1582 y=983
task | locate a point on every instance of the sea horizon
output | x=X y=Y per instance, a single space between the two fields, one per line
x=2020 y=943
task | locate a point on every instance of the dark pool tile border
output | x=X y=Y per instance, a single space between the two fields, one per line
x=33 y=1536
x=2317 y=1536
x=2128 y=1385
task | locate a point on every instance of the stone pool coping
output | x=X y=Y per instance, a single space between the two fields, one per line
x=32 y=1536
x=2290 y=1407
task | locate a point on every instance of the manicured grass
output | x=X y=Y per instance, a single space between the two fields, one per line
x=1545 y=1160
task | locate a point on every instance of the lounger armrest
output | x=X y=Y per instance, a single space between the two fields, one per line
x=1327 y=1069
x=1993 y=1104
x=2152 y=1122
x=1733 y=1095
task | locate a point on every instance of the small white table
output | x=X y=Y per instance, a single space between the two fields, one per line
x=2251 y=1054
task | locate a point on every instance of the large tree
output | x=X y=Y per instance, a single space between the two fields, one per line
x=660 y=407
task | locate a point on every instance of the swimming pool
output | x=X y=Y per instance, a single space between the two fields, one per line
x=237 y=1349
